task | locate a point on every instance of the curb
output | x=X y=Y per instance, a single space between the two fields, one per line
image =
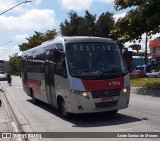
x=141 y=87
x=21 y=121
x=136 y=87
x=0 y=99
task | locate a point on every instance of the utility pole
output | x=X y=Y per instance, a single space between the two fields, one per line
x=145 y=53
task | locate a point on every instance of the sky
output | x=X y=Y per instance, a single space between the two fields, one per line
x=41 y=15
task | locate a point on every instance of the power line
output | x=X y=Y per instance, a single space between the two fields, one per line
x=5 y=43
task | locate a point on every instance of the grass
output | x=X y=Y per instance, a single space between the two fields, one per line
x=146 y=82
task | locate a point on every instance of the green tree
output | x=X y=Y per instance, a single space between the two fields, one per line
x=88 y=25
x=77 y=25
x=70 y=28
x=142 y=18
x=37 y=39
x=104 y=25
x=14 y=63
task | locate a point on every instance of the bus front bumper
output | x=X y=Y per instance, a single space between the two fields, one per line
x=81 y=104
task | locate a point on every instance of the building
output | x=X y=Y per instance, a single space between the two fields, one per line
x=137 y=59
x=155 y=53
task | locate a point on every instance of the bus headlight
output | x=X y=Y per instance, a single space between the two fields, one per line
x=84 y=94
x=125 y=90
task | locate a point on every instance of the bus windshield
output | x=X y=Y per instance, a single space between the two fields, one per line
x=96 y=59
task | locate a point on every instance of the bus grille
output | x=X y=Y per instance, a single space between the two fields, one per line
x=106 y=104
x=106 y=93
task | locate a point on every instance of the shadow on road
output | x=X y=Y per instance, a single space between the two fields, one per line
x=93 y=119
x=146 y=91
x=101 y=119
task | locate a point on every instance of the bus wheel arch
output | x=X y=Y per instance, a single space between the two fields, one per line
x=62 y=107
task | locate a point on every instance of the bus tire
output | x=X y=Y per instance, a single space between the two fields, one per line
x=112 y=113
x=34 y=100
x=63 y=109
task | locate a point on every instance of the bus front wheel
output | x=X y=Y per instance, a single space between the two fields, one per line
x=112 y=113
x=63 y=109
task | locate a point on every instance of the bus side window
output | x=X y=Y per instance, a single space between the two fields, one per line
x=60 y=63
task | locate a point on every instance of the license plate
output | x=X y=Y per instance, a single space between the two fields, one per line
x=106 y=99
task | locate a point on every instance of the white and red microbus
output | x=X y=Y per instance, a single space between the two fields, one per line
x=77 y=75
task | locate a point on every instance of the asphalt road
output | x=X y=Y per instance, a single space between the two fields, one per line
x=142 y=115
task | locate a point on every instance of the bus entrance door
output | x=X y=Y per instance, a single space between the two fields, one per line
x=49 y=79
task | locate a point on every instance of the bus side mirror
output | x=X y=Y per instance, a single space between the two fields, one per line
x=61 y=69
x=59 y=53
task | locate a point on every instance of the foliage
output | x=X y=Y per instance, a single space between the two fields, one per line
x=142 y=18
x=14 y=63
x=155 y=85
x=78 y=25
x=104 y=25
x=37 y=39
x=88 y=25
x=147 y=82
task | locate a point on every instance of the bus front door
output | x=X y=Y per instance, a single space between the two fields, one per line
x=49 y=77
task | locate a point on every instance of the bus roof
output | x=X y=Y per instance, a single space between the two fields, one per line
x=84 y=39
x=79 y=39
x=71 y=39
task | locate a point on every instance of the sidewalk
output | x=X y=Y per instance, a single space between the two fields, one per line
x=6 y=124
x=11 y=119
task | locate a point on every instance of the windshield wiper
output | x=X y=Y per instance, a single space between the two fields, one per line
x=116 y=72
x=112 y=71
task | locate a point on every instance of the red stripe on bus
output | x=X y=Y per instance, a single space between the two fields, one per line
x=34 y=84
x=95 y=85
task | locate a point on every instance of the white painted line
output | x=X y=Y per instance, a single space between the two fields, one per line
x=15 y=130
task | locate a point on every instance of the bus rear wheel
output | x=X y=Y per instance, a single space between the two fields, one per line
x=63 y=109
